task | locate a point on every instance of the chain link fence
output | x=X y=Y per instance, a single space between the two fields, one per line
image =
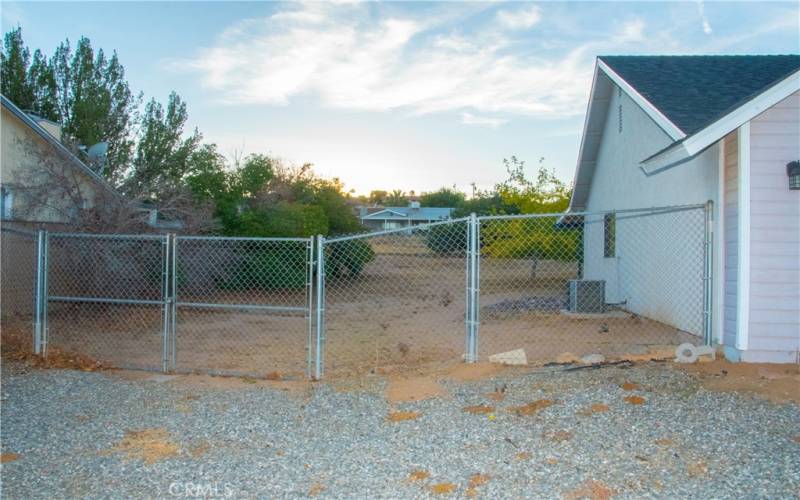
x=546 y=287
x=615 y=284
x=18 y=267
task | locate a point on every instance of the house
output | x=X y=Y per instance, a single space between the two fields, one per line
x=681 y=130
x=397 y=217
x=28 y=143
x=664 y=131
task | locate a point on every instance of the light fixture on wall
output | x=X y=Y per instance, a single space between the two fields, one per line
x=793 y=171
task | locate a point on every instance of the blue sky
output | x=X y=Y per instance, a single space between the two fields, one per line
x=396 y=95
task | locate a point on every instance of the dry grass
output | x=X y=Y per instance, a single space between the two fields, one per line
x=15 y=345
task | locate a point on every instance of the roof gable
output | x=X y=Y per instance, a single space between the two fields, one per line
x=694 y=91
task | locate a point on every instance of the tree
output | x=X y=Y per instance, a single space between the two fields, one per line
x=15 y=58
x=378 y=197
x=397 y=198
x=163 y=156
x=444 y=197
x=42 y=79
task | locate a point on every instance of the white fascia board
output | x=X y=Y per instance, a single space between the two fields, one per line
x=662 y=121
x=672 y=156
x=375 y=214
x=743 y=240
x=583 y=138
x=743 y=114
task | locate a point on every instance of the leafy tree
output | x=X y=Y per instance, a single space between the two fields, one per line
x=397 y=198
x=378 y=197
x=15 y=58
x=96 y=103
x=444 y=197
x=163 y=155
x=42 y=80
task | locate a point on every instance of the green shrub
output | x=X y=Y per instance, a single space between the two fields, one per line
x=347 y=258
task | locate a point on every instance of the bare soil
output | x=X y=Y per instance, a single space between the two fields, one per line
x=778 y=383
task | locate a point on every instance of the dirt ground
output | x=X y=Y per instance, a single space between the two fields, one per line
x=406 y=309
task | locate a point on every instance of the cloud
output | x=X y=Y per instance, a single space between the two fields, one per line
x=701 y=9
x=520 y=18
x=470 y=119
x=350 y=57
x=632 y=31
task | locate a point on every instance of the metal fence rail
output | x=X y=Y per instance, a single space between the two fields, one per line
x=549 y=287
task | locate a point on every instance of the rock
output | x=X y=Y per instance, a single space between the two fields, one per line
x=593 y=359
x=515 y=357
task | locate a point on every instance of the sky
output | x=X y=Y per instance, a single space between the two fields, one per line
x=396 y=95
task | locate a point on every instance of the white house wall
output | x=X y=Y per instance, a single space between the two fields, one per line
x=658 y=266
x=774 y=325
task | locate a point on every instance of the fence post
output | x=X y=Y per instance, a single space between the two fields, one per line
x=309 y=304
x=708 y=266
x=472 y=288
x=37 y=326
x=174 y=303
x=320 y=307
x=165 y=308
x=43 y=294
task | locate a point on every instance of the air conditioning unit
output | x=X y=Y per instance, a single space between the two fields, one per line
x=587 y=296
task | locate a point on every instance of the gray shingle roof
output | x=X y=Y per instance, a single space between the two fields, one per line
x=695 y=91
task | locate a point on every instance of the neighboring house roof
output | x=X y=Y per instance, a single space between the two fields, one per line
x=409 y=213
x=695 y=100
x=50 y=139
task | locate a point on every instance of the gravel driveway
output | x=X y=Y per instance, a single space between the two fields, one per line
x=577 y=434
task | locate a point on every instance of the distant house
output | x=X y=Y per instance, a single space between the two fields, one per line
x=678 y=130
x=380 y=218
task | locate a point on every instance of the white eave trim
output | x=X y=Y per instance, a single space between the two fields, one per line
x=375 y=214
x=662 y=121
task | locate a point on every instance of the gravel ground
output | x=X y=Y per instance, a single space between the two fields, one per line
x=252 y=441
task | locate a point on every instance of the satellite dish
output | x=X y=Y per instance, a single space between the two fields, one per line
x=97 y=155
x=98 y=151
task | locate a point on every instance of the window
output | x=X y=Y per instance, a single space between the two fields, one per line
x=610 y=235
x=7 y=202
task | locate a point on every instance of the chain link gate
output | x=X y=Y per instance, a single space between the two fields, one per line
x=392 y=298
x=106 y=297
x=242 y=306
